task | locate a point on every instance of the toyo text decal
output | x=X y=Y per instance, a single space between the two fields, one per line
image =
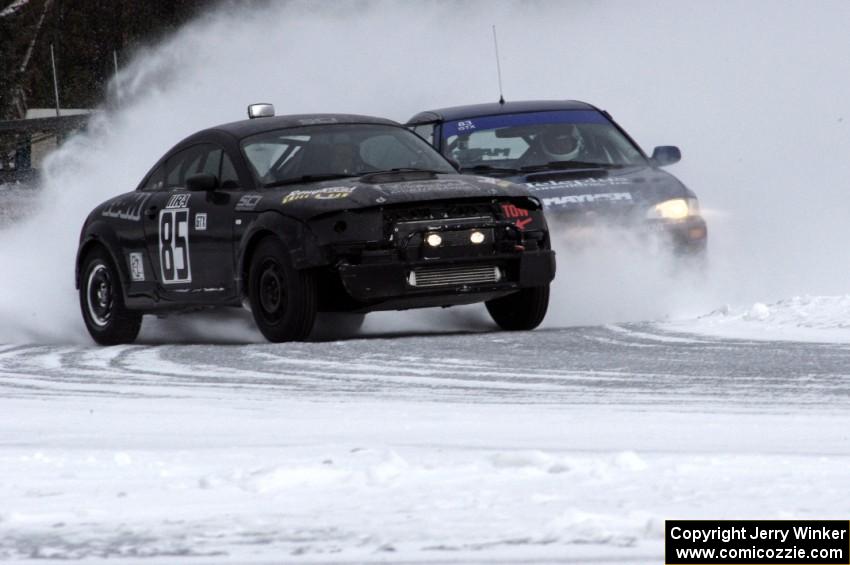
x=521 y=215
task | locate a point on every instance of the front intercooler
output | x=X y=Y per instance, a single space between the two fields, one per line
x=430 y=277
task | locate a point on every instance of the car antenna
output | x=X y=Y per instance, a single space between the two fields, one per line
x=498 y=65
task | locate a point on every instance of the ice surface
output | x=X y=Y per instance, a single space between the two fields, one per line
x=555 y=445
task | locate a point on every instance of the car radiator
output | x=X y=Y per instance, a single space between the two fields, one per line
x=454 y=276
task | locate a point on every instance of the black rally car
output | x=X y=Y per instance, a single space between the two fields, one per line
x=295 y=215
x=577 y=160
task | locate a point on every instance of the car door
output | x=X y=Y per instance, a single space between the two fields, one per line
x=189 y=234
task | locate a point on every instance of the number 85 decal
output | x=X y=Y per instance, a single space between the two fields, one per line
x=174 y=246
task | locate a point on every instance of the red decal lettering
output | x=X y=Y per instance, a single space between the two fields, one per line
x=512 y=211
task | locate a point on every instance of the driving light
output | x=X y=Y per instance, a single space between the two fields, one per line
x=476 y=237
x=434 y=240
x=675 y=209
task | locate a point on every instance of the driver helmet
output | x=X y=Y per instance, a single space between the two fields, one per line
x=561 y=143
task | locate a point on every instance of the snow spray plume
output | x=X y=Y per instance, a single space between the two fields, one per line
x=763 y=129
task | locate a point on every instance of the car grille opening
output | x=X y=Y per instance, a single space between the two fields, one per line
x=430 y=277
x=438 y=211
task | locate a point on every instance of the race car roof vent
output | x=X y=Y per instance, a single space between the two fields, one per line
x=261 y=110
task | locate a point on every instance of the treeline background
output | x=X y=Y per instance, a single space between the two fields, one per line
x=84 y=34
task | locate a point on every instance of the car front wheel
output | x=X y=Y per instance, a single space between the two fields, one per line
x=283 y=299
x=102 y=302
x=523 y=310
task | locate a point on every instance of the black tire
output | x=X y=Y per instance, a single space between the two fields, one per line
x=102 y=301
x=523 y=310
x=336 y=325
x=283 y=299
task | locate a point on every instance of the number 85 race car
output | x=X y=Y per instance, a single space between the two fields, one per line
x=294 y=215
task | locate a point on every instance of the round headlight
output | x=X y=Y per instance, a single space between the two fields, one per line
x=675 y=209
x=434 y=240
x=477 y=237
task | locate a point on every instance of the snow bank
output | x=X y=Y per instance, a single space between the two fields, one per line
x=801 y=318
x=377 y=481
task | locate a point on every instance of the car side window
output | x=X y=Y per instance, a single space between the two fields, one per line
x=175 y=170
x=203 y=158
x=228 y=178
x=156 y=180
x=210 y=163
x=426 y=132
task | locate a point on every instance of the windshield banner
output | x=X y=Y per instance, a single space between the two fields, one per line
x=525 y=119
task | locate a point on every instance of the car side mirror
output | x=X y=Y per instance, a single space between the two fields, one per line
x=666 y=155
x=202 y=182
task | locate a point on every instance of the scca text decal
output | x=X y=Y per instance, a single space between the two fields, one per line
x=127 y=207
x=329 y=193
x=248 y=202
x=587 y=198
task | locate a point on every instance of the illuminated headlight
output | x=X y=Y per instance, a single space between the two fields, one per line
x=675 y=209
x=477 y=237
x=434 y=239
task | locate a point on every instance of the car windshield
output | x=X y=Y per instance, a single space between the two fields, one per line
x=327 y=151
x=514 y=143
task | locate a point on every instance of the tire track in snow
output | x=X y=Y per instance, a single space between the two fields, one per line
x=632 y=363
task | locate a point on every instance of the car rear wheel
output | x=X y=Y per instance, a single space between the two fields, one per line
x=102 y=301
x=523 y=310
x=283 y=299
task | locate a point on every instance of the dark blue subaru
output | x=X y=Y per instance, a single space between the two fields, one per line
x=577 y=160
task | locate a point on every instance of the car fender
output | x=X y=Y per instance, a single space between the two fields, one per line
x=102 y=233
x=299 y=241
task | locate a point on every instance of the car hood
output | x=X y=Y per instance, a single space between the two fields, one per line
x=615 y=191
x=313 y=199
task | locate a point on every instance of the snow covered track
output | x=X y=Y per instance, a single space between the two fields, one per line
x=569 y=444
x=626 y=364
